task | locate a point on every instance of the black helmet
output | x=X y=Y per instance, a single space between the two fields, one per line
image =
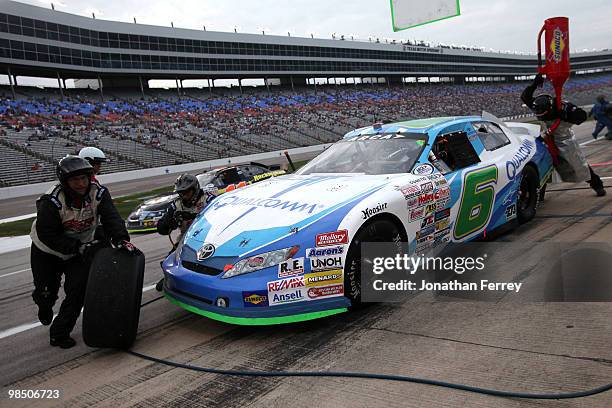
x=70 y=166
x=185 y=182
x=542 y=105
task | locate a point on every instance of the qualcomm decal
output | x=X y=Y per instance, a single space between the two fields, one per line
x=523 y=154
x=267 y=203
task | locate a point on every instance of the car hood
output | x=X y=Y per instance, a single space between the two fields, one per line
x=247 y=219
x=157 y=203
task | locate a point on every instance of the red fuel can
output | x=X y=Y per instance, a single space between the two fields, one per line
x=556 y=65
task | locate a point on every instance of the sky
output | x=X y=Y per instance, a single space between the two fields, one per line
x=497 y=24
x=506 y=25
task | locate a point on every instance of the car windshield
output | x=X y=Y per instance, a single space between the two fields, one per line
x=206 y=178
x=386 y=153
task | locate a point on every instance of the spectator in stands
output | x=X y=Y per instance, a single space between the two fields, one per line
x=601 y=111
x=63 y=243
x=571 y=166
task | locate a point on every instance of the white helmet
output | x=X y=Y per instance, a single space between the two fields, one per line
x=93 y=155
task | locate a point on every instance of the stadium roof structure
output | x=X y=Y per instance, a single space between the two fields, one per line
x=36 y=41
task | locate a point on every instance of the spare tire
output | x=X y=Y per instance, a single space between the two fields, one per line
x=112 y=299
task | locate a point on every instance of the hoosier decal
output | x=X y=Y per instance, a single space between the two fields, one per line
x=368 y=212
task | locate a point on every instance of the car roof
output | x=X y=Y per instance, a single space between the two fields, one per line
x=411 y=126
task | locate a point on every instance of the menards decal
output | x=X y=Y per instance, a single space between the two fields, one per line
x=324 y=278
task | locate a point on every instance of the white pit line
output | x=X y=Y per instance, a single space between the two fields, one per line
x=29 y=326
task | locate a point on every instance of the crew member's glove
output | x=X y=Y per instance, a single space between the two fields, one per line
x=128 y=246
x=538 y=80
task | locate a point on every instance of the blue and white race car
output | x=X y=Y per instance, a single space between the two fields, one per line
x=288 y=249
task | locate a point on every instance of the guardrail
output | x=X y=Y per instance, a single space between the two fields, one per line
x=39 y=188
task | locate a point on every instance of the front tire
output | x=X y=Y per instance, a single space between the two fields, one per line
x=527 y=200
x=381 y=230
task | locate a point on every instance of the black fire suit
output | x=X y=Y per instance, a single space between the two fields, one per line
x=55 y=251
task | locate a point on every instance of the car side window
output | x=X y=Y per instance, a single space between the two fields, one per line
x=229 y=176
x=453 y=151
x=491 y=135
x=256 y=170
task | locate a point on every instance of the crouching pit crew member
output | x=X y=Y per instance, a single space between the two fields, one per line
x=184 y=209
x=63 y=243
x=571 y=166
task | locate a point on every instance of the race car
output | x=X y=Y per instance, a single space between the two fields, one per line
x=288 y=249
x=144 y=217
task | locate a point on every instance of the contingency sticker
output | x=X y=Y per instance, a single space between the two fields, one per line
x=334 y=250
x=256 y=298
x=325 y=291
x=323 y=263
x=291 y=267
x=333 y=276
x=332 y=238
x=286 y=291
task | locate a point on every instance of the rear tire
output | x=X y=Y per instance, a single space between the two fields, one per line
x=527 y=200
x=112 y=299
x=377 y=231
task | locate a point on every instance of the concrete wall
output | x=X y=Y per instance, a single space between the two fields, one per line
x=276 y=157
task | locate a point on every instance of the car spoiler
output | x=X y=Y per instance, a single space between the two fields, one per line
x=521 y=128
x=269 y=167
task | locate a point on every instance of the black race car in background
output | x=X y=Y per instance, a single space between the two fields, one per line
x=144 y=217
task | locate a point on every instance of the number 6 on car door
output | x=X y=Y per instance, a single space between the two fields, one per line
x=477 y=200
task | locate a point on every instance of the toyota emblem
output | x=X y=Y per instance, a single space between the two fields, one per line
x=206 y=251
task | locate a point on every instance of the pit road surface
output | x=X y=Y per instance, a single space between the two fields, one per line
x=537 y=347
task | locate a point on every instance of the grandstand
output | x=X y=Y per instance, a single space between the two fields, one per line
x=139 y=127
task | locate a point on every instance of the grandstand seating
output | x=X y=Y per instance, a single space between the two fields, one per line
x=38 y=126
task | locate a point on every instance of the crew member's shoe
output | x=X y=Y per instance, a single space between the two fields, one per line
x=594 y=136
x=159 y=286
x=45 y=315
x=64 y=342
x=600 y=191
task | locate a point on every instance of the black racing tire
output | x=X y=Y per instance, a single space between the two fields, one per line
x=381 y=230
x=527 y=200
x=112 y=299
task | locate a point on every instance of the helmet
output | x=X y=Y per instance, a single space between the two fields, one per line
x=93 y=155
x=185 y=182
x=542 y=105
x=70 y=166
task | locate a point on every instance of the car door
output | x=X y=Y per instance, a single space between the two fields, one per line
x=473 y=180
x=497 y=148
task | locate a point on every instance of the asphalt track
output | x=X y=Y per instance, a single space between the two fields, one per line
x=532 y=347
